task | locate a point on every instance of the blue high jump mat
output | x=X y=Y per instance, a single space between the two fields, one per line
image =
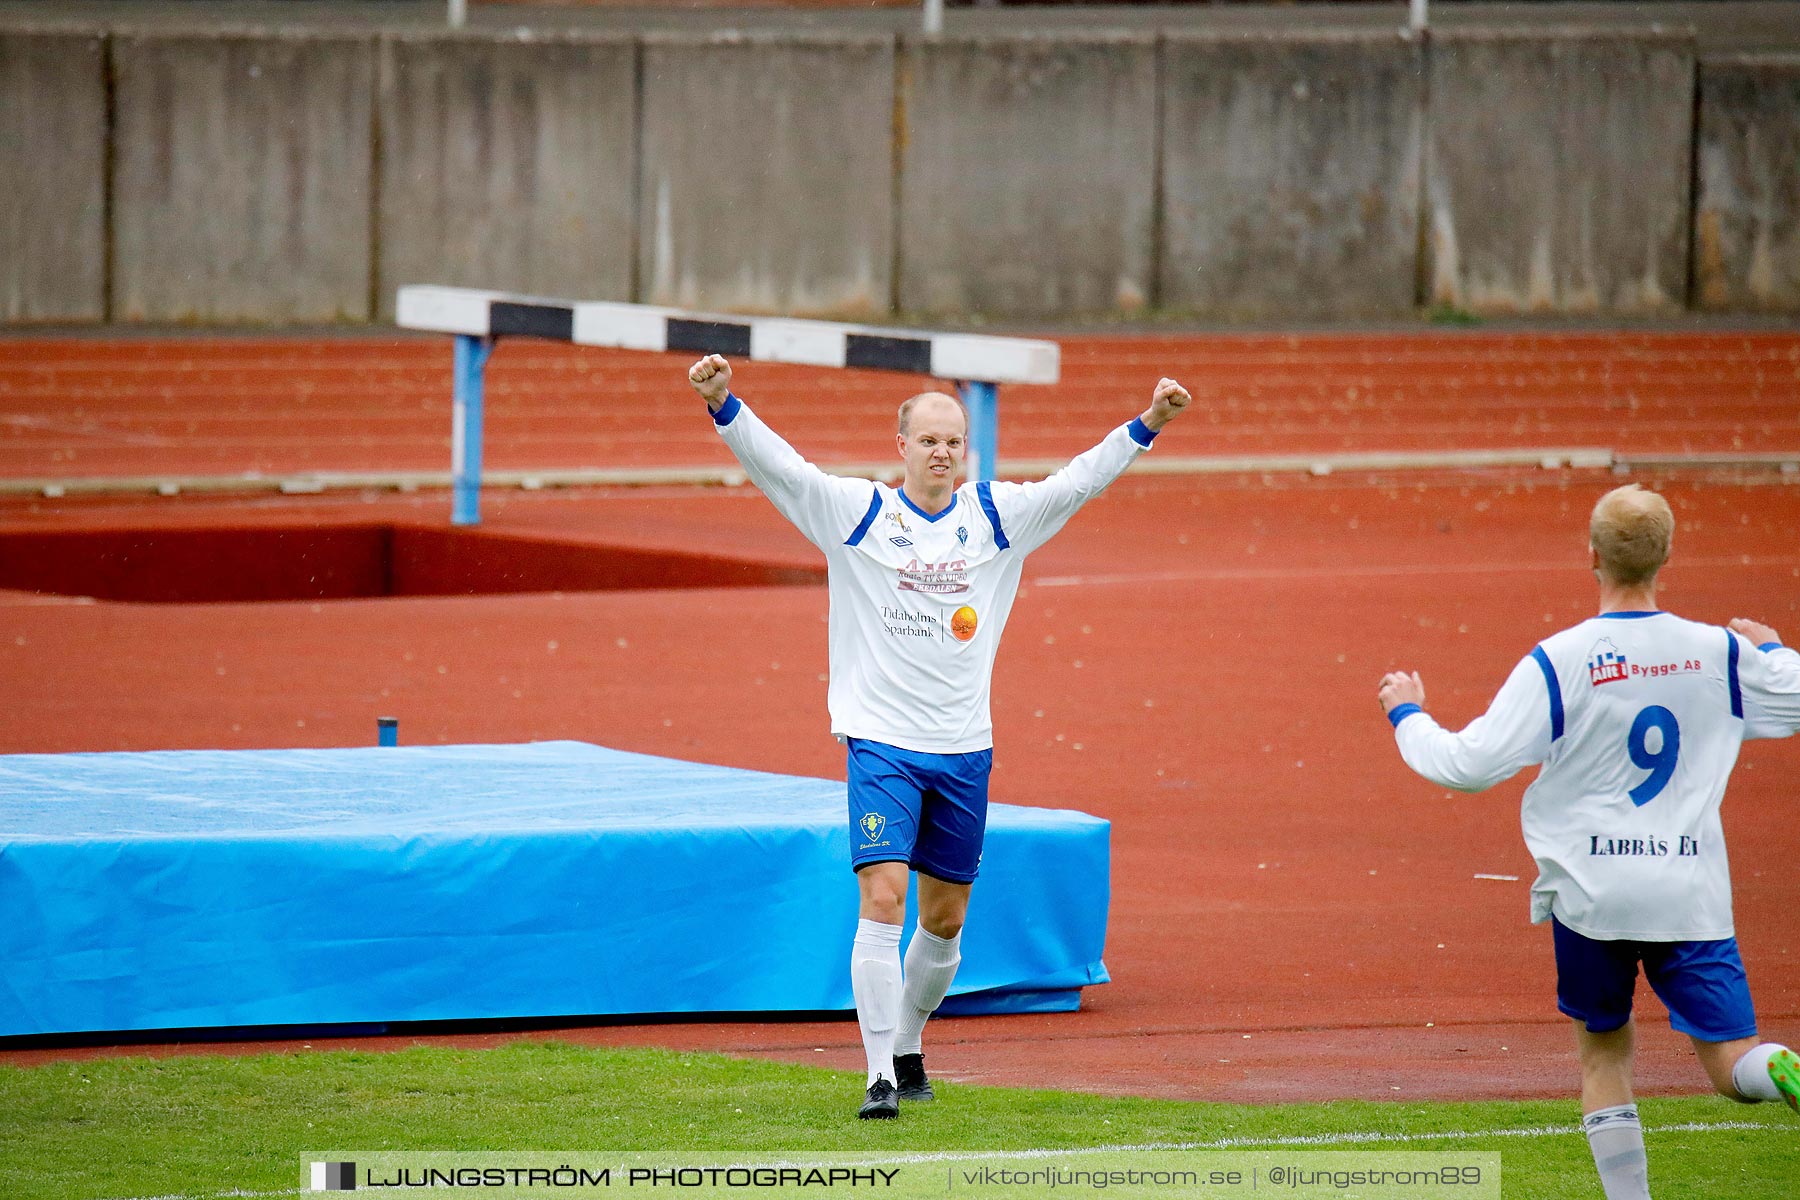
x=209 y=889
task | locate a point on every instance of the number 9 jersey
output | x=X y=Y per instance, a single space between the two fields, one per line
x=1637 y=718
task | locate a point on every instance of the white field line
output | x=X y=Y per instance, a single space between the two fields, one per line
x=1239 y=1143
x=1325 y=1139
x=1341 y=572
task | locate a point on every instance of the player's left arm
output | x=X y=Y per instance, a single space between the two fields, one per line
x=1029 y=514
x=1513 y=734
x=1768 y=680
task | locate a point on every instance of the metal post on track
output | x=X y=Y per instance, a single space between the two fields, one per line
x=983 y=402
x=465 y=428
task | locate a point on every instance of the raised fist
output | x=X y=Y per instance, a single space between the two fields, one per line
x=711 y=377
x=1168 y=402
x=1397 y=688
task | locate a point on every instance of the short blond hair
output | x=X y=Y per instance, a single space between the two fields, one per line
x=912 y=402
x=1631 y=530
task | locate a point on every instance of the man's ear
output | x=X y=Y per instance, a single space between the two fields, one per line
x=900 y=444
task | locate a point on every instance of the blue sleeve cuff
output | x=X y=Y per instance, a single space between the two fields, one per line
x=728 y=411
x=1768 y=646
x=1141 y=433
x=1400 y=712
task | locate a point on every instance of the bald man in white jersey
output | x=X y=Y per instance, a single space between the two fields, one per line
x=1636 y=716
x=922 y=578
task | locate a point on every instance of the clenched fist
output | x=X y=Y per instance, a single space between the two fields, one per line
x=711 y=377
x=1166 y=403
x=1397 y=688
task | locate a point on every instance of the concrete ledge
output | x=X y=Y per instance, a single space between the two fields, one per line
x=1027 y=184
x=768 y=174
x=508 y=162
x=52 y=177
x=1747 y=206
x=1557 y=172
x=1787 y=463
x=242 y=178
x=1558 y=458
x=1290 y=176
x=1224 y=169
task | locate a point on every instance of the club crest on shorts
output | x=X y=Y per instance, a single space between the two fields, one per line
x=872 y=824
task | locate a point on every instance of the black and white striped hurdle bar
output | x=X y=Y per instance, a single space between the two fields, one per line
x=477 y=313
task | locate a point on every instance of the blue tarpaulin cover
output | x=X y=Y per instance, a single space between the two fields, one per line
x=200 y=889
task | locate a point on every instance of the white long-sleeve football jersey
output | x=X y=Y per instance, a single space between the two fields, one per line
x=1637 y=719
x=918 y=602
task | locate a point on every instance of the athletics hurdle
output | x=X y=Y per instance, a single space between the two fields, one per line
x=976 y=362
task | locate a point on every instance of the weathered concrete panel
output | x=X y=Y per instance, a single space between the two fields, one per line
x=1028 y=171
x=768 y=174
x=242 y=177
x=508 y=163
x=1747 y=213
x=1291 y=175
x=52 y=177
x=1557 y=171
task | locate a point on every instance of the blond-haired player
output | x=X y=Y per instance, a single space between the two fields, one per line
x=922 y=578
x=1636 y=716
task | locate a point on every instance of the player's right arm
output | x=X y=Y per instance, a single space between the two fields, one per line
x=1768 y=680
x=1513 y=734
x=824 y=507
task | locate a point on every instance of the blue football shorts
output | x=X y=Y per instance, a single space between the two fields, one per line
x=1702 y=983
x=926 y=810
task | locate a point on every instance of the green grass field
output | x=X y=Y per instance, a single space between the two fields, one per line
x=214 y=1126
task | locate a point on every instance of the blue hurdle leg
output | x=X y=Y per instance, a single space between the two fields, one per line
x=387 y=731
x=983 y=402
x=465 y=429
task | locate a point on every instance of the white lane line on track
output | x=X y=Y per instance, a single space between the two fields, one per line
x=1227 y=574
x=90 y=430
x=1284 y=1143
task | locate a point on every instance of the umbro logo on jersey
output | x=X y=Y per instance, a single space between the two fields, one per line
x=1606 y=664
x=900 y=541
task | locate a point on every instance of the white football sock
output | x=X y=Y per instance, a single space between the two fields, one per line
x=930 y=966
x=875 y=982
x=1617 y=1139
x=1750 y=1074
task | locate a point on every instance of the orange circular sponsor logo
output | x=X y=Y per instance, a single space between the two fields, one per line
x=962 y=623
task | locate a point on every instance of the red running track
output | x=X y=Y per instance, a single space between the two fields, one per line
x=90 y=407
x=1193 y=658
